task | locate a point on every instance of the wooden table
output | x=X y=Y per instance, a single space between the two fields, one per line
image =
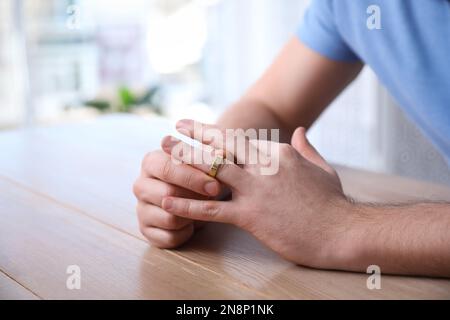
x=66 y=199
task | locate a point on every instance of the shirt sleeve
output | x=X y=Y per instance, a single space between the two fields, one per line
x=319 y=32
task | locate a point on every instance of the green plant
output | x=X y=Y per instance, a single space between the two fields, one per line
x=127 y=101
x=101 y=105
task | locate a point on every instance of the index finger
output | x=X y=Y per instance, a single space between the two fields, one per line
x=234 y=141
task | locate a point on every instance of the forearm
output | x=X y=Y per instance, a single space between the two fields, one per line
x=409 y=239
x=292 y=92
x=250 y=113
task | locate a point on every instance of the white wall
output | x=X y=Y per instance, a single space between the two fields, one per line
x=244 y=38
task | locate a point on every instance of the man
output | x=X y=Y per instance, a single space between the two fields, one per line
x=301 y=212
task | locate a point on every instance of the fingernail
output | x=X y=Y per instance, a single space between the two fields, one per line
x=183 y=123
x=211 y=188
x=167 y=204
x=170 y=142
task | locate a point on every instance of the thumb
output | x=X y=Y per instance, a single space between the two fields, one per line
x=307 y=151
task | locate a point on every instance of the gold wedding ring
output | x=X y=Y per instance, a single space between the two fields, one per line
x=215 y=166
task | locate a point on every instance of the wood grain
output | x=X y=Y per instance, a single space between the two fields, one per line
x=39 y=239
x=89 y=169
x=11 y=290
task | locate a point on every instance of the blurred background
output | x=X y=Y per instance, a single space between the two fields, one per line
x=71 y=60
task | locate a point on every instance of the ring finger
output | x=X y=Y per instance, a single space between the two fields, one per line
x=201 y=159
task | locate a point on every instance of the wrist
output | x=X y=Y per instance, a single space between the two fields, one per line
x=347 y=235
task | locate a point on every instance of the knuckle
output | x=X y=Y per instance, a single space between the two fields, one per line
x=285 y=150
x=189 y=179
x=171 y=239
x=148 y=158
x=187 y=208
x=167 y=170
x=226 y=169
x=155 y=239
x=137 y=188
x=210 y=209
x=141 y=190
x=152 y=161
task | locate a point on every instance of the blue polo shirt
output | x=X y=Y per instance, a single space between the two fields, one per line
x=405 y=42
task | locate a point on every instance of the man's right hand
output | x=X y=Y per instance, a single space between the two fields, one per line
x=161 y=177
